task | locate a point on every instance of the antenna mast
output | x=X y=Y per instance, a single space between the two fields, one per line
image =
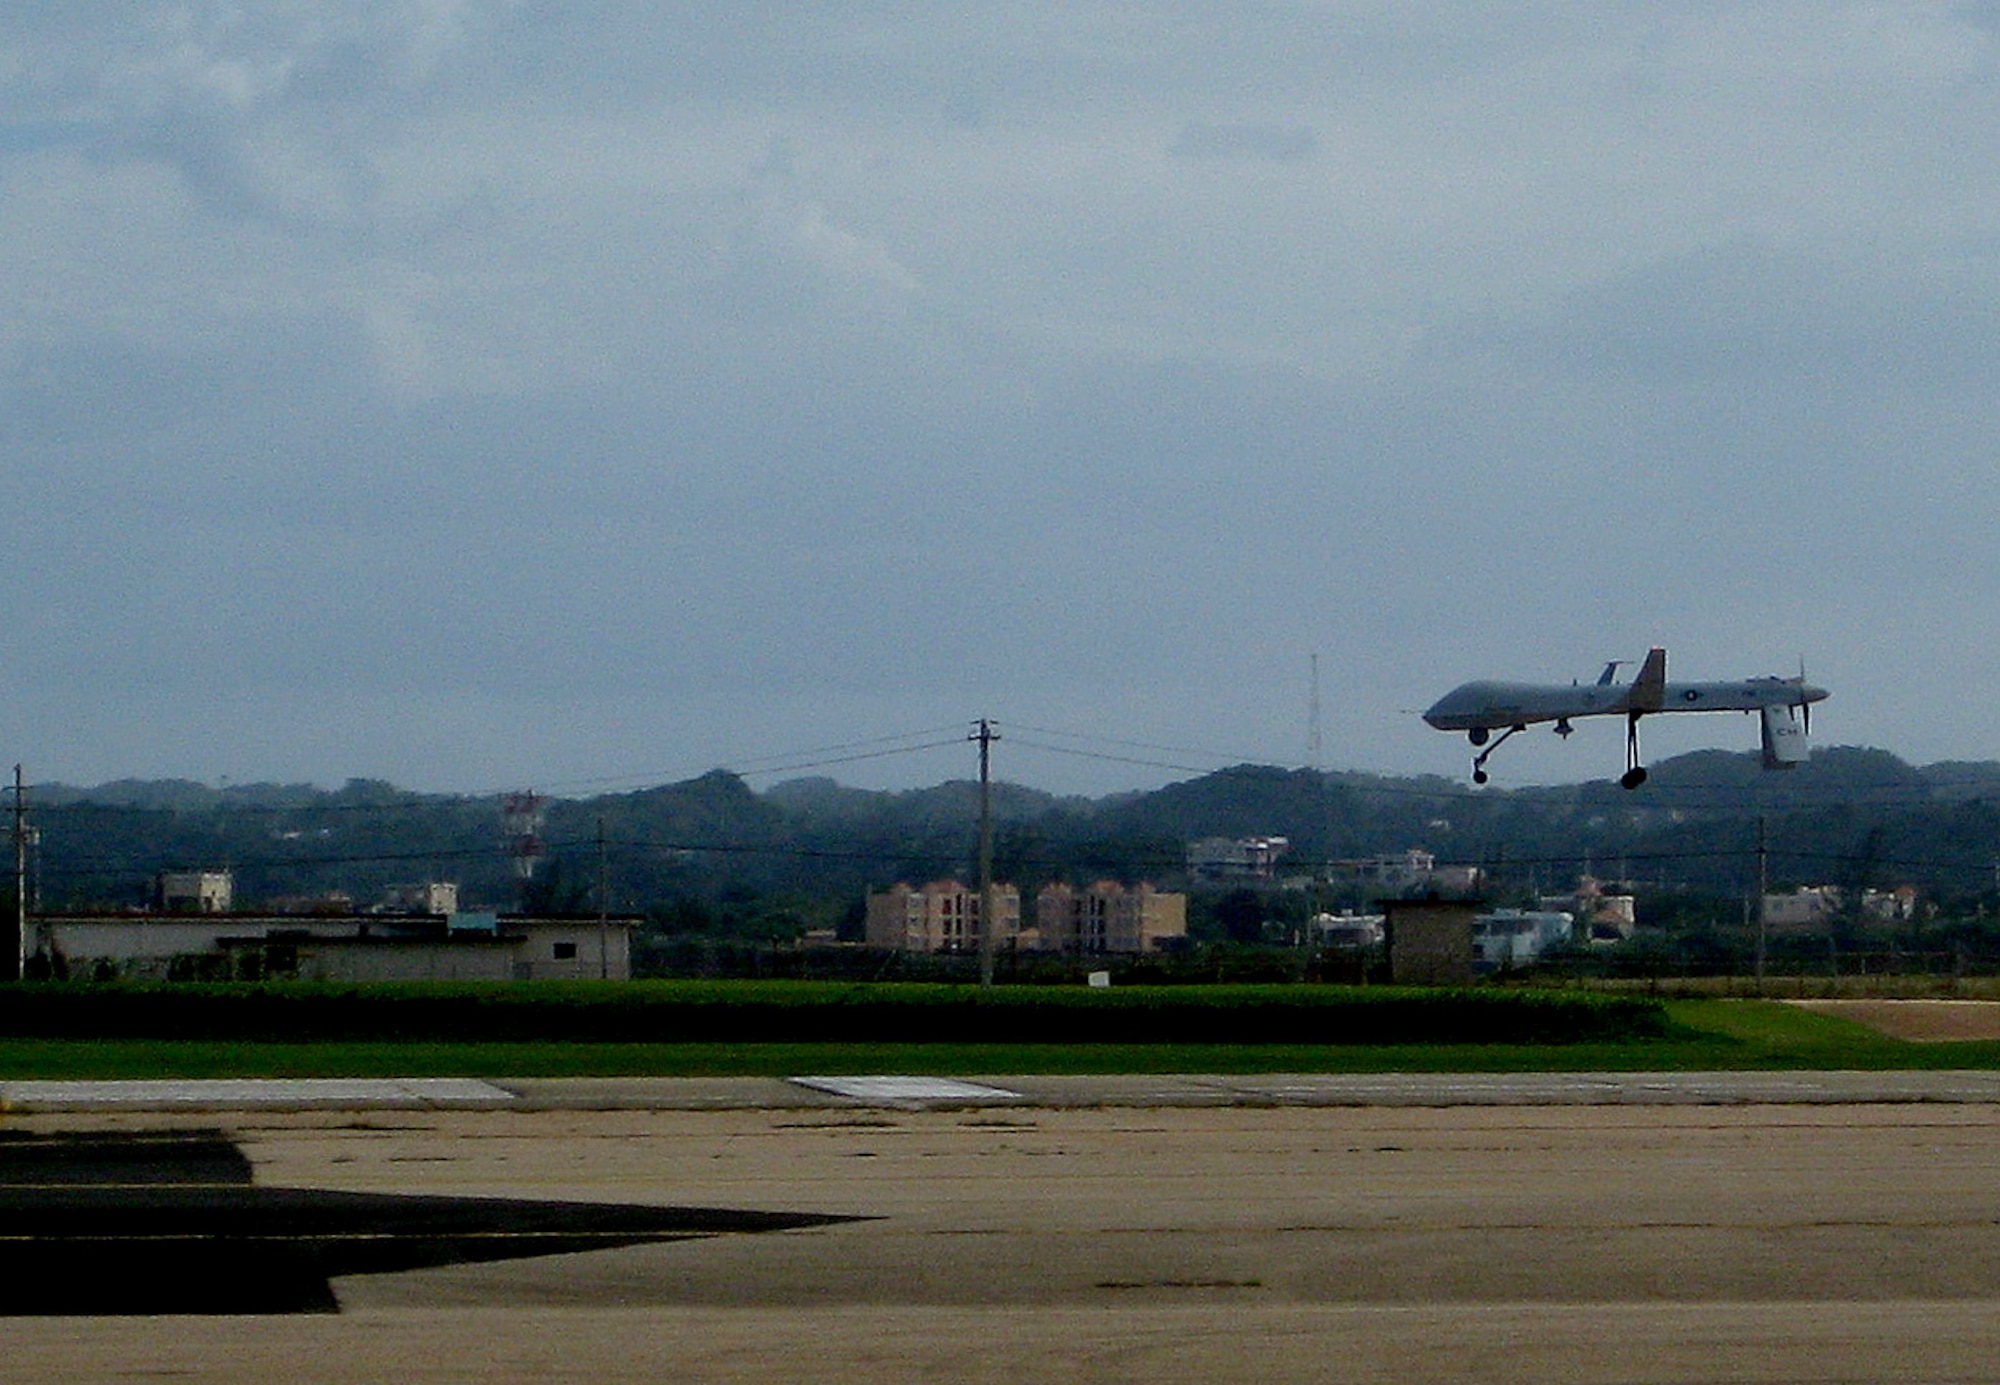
x=1312 y=720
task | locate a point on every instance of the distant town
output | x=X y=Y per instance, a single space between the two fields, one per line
x=1856 y=861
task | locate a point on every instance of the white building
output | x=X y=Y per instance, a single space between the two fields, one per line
x=431 y=897
x=1517 y=937
x=1348 y=930
x=463 y=947
x=196 y=891
x=1412 y=868
x=1240 y=860
x=1815 y=906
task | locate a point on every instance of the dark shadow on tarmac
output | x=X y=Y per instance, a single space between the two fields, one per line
x=149 y=1222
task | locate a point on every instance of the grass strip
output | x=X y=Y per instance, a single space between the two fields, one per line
x=1702 y=1035
x=820 y=1012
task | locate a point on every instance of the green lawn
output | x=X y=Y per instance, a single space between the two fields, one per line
x=1705 y=1035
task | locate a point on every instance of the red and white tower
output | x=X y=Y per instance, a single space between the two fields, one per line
x=521 y=817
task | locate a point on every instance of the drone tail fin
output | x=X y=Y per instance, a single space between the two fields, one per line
x=1649 y=688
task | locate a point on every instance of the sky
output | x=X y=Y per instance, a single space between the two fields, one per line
x=483 y=394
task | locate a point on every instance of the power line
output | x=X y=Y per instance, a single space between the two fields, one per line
x=844 y=759
x=1225 y=756
x=1115 y=759
x=812 y=757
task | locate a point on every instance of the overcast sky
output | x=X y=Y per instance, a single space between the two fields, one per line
x=505 y=393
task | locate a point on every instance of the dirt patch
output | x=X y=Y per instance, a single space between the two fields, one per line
x=1921 y=1021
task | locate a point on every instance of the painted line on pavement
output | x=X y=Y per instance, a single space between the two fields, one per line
x=252 y=1093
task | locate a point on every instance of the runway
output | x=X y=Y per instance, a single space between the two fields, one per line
x=1262 y=1232
x=1149 y=1090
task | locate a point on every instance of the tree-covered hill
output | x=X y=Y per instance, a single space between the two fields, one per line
x=1850 y=815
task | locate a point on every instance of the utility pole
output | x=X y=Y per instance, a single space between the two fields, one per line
x=985 y=735
x=603 y=906
x=21 y=873
x=1763 y=892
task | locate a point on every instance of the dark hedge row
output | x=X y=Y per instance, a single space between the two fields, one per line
x=806 y=1012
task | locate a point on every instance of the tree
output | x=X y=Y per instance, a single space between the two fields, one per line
x=1240 y=914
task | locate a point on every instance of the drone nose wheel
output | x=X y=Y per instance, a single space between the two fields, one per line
x=1478 y=736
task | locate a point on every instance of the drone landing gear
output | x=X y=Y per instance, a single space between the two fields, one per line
x=1635 y=773
x=1478 y=736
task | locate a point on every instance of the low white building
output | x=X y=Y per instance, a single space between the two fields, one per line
x=1815 y=906
x=1413 y=868
x=1517 y=937
x=196 y=891
x=456 y=947
x=1236 y=860
x=429 y=897
x=1348 y=930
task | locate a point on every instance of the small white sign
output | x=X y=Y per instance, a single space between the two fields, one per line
x=1101 y=980
x=907 y=1089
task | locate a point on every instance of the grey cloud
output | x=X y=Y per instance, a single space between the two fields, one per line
x=456 y=373
x=1276 y=143
x=1014 y=60
x=1751 y=315
x=246 y=103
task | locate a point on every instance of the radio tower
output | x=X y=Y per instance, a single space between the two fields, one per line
x=1312 y=721
x=521 y=814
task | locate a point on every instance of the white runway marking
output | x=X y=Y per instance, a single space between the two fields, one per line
x=907 y=1089
x=243 y=1093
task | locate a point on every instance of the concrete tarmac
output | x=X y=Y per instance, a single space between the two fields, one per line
x=1149 y=1090
x=1715 y=1227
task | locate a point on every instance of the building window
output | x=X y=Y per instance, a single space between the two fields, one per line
x=565 y=952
